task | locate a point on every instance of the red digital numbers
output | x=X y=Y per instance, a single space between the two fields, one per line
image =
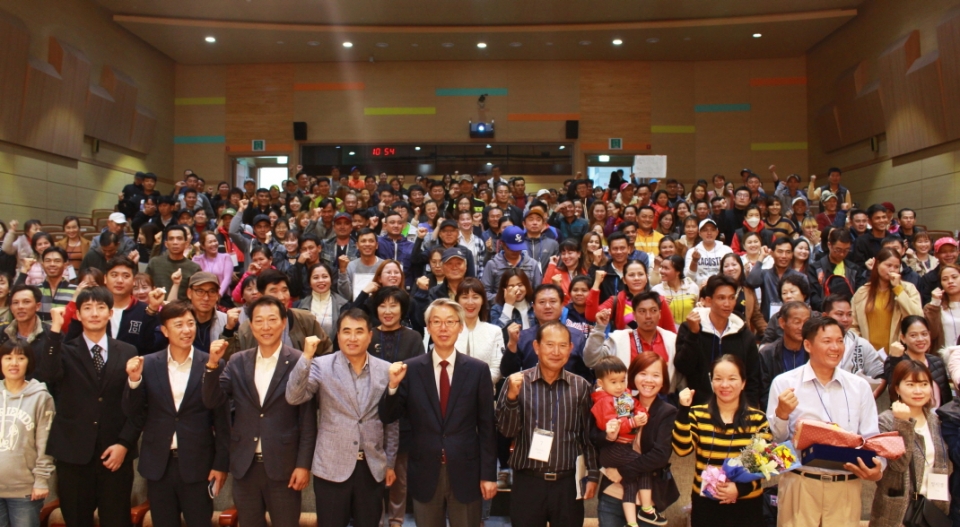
x=383 y=151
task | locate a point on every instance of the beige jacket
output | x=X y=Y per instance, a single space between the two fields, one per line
x=905 y=303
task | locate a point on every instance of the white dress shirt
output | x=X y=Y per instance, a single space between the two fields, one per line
x=179 y=374
x=846 y=400
x=102 y=343
x=262 y=375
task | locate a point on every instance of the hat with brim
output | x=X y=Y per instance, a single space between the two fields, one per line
x=228 y=212
x=794 y=176
x=343 y=216
x=203 y=278
x=799 y=199
x=704 y=223
x=260 y=217
x=117 y=217
x=454 y=252
x=514 y=238
x=946 y=240
x=538 y=212
x=448 y=223
x=827 y=195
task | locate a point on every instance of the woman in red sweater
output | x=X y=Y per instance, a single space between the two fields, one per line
x=634 y=281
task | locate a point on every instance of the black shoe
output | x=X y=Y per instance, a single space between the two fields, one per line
x=651 y=518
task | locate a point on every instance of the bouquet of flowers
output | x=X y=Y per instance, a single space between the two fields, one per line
x=760 y=459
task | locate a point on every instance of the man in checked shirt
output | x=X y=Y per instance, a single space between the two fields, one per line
x=545 y=408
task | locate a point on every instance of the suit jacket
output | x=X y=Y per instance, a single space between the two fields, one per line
x=287 y=431
x=347 y=424
x=89 y=416
x=467 y=435
x=202 y=434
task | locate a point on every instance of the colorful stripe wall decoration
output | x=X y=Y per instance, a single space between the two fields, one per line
x=672 y=129
x=717 y=108
x=199 y=140
x=470 y=92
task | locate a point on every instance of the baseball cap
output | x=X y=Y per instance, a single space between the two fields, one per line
x=250 y=180
x=203 y=278
x=624 y=185
x=466 y=177
x=536 y=211
x=705 y=222
x=228 y=212
x=799 y=199
x=117 y=217
x=542 y=191
x=654 y=181
x=747 y=170
x=448 y=223
x=827 y=195
x=260 y=217
x=343 y=216
x=454 y=252
x=889 y=206
x=793 y=176
x=354 y=169
x=514 y=238
x=946 y=240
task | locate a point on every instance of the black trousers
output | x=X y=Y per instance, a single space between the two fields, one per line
x=255 y=495
x=705 y=512
x=360 y=497
x=535 y=502
x=170 y=497
x=83 y=489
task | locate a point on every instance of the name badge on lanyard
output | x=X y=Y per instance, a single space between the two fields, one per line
x=541 y=445
x=937 y=487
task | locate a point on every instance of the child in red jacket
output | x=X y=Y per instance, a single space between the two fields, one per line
x=622 y=417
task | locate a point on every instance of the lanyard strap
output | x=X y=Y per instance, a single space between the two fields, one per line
x=553 y=415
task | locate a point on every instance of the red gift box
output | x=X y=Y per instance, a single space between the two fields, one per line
x=820 y=433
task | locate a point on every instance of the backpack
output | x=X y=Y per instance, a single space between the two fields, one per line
x=834 y=284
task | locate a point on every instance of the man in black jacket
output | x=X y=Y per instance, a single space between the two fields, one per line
x=164 y=392
x=732 y=219
x=786 y=353
x=93 y=442
x=823 y=275
x=712 y=331
x=869 y=243
x=272 y=441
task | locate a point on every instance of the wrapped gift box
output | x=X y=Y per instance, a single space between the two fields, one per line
x=834 y=457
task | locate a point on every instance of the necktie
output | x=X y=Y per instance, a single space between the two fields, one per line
x=444 y=388
x=98 y=359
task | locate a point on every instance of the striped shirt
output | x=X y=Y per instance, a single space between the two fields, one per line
x=51 y=298
x=694 y=431
x=563 y=408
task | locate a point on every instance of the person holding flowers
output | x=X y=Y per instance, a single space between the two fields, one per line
x=717 y=431
x=925 y=467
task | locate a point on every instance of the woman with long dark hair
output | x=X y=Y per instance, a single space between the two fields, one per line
x=717 y=431
x=915 y=344
x=569 y=264
x=880 y=305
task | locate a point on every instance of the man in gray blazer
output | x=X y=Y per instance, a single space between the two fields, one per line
x=271 y=442
x=355 y=451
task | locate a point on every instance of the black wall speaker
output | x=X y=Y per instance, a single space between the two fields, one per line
x=573 y=129
x=300 y=131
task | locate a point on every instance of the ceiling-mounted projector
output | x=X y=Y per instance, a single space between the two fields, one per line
x=481 y=130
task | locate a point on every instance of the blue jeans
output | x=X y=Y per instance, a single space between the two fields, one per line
x=610 y=512
x=20 y=512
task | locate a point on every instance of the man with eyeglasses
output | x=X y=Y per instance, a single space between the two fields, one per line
x=203 y=291
x=457 y=463
x=834 y=273
x=520 y=353
x=56 y=290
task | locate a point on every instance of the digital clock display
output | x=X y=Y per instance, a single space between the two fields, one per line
x=383 y=151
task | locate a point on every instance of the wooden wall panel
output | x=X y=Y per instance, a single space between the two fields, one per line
x=14 y=48
x=144 y=126
x=828 y=127
x=259 y=104
x=859 y=113
x=910 y=94
x=948 y=39
x=615 y=102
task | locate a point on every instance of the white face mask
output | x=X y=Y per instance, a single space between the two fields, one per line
x=753 y=222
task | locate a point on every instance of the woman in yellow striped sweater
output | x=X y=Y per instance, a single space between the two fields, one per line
x=714 y=432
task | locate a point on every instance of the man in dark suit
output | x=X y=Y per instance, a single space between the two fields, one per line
x=93 y=442
x=272 y=442
x=186 y=444
x=453 y=424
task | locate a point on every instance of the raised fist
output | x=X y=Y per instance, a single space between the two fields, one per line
x=598 y=278
x=343 y=260
x=693 y=321
x=900 y=410
x=421 y=232
x=217 y=349
x=423 y=283
x=233 y=317
x=135 y=368
x=513 y=332
x=398 y=371
x=514 y=383
x=786 y=403
x=310 y=345
x=176 y=277
x=56 y=318
x=603 y=317
x=686 y=396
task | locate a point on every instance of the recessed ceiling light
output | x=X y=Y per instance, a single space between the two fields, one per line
x=757 y=35
x=489 y=164
x=338 y=146
x=351 y=152
x=602 y=159
x=653 y=40
x=488 y=146
x=417 y=148
x=348 y=44
x=562 y=147
x=515 y=44
x=313 y=43
x=481 y=45
x=447 y=44
x=210 y=39
x=382 y=44
x=584 y=42
x=617 y=42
